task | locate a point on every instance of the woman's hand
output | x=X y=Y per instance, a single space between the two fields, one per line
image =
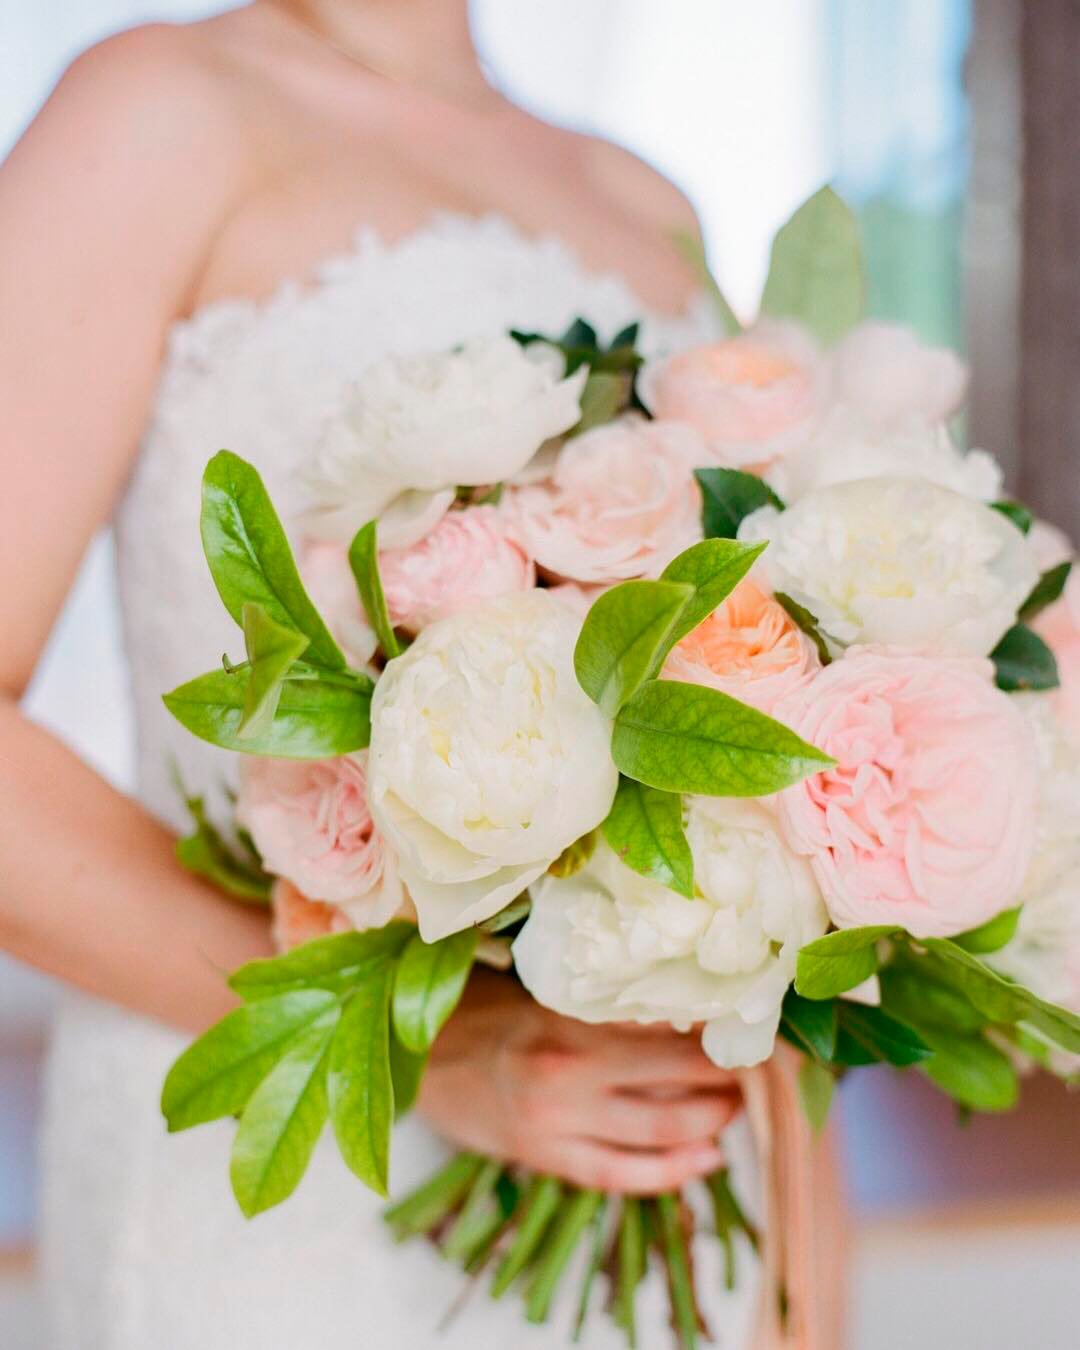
x=617 y=1107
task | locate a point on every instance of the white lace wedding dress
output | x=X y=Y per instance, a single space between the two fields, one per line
x=144 y=1246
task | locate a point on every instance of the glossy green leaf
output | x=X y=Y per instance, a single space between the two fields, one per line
x=1023 y=661
x=837 y=962
x=430 y=980
x=807 y=622
x=216 y=1075
x=407 y=1073
x=1002 y=1001
x=911 y=991
x=712 y=568
x=336 y=962
x=812 y=1024
x=360 y=1084
x=992 y=935
x=693 y=250
x=624 y=639
x=314 y=719
x=1020 y=516
x=728 y=496
x=686 y=738
x=282 y=1122
x=816 y=270
x=1049 y=587
x=971 y=1070
x=364 y=561
x=249 y=555
x=816 y=1084
x=272 y=651
x=884 y=1036
x=606 y=394
x=207 y=854
x=645 y=829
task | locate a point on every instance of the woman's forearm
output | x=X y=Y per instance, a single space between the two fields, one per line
x=90 y=889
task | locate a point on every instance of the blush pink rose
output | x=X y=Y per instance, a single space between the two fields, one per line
x=749 y=647
x=889 y=378
x=928 y=819
x=329 y=581
x=751 y=398
x=311 y=823
x=1059 y=627
x=468 y=557
x=621 y=503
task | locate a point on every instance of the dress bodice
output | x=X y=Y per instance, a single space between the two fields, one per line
x=261 y=378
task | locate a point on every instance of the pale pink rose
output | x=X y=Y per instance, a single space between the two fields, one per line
x=752 y=398
x=297 y=920
x=1059 y=627
x=749 y=647
x=329 y=581
x=621 y=503
x=928 y=819
x=311 y=823
x=889 y=378
x=468 y=557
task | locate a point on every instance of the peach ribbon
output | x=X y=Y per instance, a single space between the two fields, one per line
x=804 y=1237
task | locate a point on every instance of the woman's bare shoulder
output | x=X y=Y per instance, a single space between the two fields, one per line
x=636 y=185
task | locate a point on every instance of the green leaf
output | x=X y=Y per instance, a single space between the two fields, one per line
x=282 y=1122
x=971 y=1070
x=990 y=936
x=816 y=1084
x=272 y=651
x=911 y=992
x=1020 y=516
x=884 y=1036
x=519 y=908
x=314 y=719
x=359 y=1082
x=1001 y=1001
x=812 y=1024
x=249 y=555
x=605 y=395
x=728 y=496
x=207 y=854
x=645 y=829
x=407 y=1072
x=692 y=249
x=430 y=980
x=336 y=962
x=815 y=269
x=1047 y=589
x=686 y=738
x=712 y=568
x=837 y=962
x=216 y=1075
x=570 y=861
x=624 y=639
x=807 y=622
x=1022 y=660
x=364 y=561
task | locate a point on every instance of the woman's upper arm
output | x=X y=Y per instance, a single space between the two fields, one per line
x=107 y=208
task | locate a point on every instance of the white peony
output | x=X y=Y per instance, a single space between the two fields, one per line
x=608 y=945
x=846 y=448
x=414 y=428
x=487 y=759
x=898 y=562
x=884 y=374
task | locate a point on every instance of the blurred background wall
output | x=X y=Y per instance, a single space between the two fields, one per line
x=913 y=109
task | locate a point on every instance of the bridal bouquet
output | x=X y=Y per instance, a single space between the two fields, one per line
x=719 y=690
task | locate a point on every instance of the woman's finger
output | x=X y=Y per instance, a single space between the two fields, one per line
x=630 y=1119
x=669 y=1061
x=589 y=1162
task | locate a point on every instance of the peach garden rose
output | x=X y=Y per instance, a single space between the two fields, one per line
x=751 y=398
x=749 y=647
x=928 y=819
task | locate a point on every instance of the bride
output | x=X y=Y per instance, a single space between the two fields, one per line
x=206 y=233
